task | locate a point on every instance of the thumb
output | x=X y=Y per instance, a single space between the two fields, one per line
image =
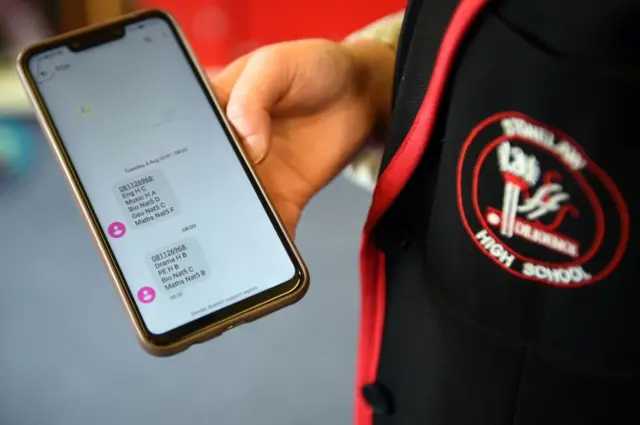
x=265 y=79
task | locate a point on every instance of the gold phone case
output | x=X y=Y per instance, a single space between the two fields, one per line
x=256 y=311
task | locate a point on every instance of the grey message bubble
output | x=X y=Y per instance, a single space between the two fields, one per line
x=146 y=199
x=178 y=265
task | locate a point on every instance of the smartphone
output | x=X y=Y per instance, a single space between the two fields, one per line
x=185 y=228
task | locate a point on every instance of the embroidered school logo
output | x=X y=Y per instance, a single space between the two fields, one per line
x=535 y=204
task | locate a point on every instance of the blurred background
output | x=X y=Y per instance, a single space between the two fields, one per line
x=67 y=353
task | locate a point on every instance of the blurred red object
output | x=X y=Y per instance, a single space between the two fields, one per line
x=222 y=30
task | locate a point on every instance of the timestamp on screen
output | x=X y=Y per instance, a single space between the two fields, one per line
x=175 y=296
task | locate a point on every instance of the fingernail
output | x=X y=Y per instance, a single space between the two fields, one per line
x=255 y=147
x=253 y=143
x=239 y=123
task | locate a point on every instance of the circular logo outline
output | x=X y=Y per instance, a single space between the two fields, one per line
x=591 y=196
x=606 y=181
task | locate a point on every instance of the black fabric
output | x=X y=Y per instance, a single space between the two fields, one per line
x=418 y=52
x=595 y=326
x=406 y=34
x=605 y=33
x=466 y=342
x=553 y=393
x=440 y=370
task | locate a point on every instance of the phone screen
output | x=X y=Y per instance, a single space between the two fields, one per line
x=183 y=219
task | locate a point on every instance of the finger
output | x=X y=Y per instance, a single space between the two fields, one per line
x=265 y=79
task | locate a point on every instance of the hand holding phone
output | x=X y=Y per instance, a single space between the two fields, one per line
x=304 y=109
x=186 y=230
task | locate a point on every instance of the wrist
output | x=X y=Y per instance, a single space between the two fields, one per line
x=374 y=62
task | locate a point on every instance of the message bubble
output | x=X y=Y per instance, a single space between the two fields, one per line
x=178 y=265
x=146 y=199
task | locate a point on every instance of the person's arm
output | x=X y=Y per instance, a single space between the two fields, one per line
x=365 y=167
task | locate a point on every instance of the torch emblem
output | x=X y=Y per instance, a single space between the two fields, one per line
x=520 y=172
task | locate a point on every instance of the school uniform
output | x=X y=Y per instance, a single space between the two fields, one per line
x=499 y=259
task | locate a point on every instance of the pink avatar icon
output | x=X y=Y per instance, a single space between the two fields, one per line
x=116 y=230
x=146 y=294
